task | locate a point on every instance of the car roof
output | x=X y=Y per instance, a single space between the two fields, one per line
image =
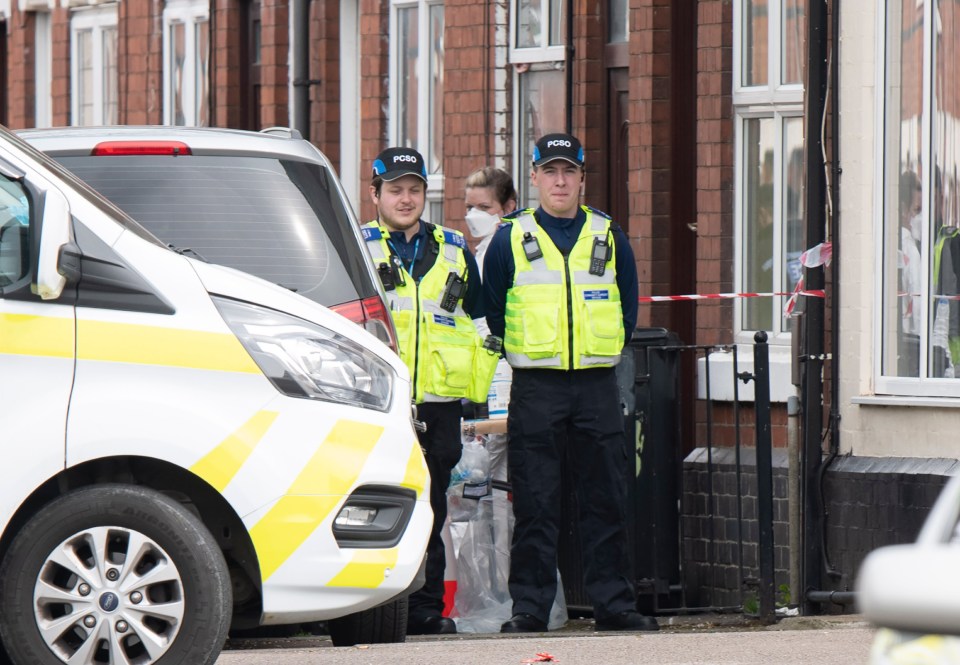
x=276 y=141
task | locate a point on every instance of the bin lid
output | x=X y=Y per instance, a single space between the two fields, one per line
x=650 y=336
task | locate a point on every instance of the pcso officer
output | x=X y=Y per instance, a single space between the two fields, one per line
x=560 y=286
x=433 y=288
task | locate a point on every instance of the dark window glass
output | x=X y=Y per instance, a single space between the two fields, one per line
x=280 y=220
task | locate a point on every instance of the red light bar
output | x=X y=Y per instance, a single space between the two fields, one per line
x=115 y=148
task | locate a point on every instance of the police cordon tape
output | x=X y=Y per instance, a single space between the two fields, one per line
x=819 y=255
x=814 y=293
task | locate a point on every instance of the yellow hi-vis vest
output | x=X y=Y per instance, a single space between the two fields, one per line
x=558 y=315
x=442 y=349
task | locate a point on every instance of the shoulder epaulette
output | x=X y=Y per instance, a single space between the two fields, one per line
x=514 y=214
x=598 y=212
x=371 y=233
x=454 y=238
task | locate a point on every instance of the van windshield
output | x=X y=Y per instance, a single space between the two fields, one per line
x=281 y=220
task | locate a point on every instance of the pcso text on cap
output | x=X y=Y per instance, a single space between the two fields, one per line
x=558 y=146
x=394 y=163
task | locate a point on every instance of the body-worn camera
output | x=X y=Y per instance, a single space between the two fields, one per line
x=531 y=247
x=453 y=291
x=391 y=274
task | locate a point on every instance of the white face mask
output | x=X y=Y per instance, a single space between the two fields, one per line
x=916 y=226
x=480 y=223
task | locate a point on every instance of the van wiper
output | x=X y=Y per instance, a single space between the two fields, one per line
x=183 y=251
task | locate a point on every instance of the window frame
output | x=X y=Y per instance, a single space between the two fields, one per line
x=780 y=102
x=189 y=13
x=525 y=61
x=923 y=386
x=433 y=211
x=97 y=19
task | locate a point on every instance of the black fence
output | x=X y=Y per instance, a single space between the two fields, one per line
x=702 y=516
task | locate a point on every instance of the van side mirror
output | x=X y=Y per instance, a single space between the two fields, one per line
x=55 y=233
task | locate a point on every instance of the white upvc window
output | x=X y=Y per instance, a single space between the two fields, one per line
x=416 y=89
x=918 y=240
x=769 y=161
x=186 y=58
x=43 y=70
x=538 y=56
x=93 y=66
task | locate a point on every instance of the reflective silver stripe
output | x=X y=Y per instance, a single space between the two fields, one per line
x=599 y=360
x=430 y=397
x=399 y=303
x=376 y=250
x=528 y=223
x=435 y=308
x=521 y=360
x=598 y=224
x=534 y=276
x=450 y=252
x=584 y=277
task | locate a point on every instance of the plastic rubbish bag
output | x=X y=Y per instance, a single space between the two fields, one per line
x=481 y=526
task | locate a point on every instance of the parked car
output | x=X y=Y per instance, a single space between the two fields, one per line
x=267 y=203
x=913 y=591
x=187 y=447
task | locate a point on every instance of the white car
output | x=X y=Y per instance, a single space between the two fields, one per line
x=186 y=447
x=913 y=591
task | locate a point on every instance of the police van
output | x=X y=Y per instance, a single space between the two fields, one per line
x=185 y=447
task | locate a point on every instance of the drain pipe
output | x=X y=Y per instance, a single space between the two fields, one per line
x=793 y=492
x=300 y=81
x=835 y=597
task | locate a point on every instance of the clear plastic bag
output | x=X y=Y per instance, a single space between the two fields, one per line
x=480 y=531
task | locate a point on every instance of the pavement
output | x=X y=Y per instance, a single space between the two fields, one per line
x=682 y=640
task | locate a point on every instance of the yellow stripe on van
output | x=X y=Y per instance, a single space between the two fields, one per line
x=327 y=476
x=220 y=465
x=169 y=347
x=32 y=335
x=367 y=569
x=415 y=477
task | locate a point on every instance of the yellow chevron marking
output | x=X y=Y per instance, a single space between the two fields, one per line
x=220 y=465
x=416 y=475
x=366 y=569
x=327 y=476
x=169 y=347
x=32 y=335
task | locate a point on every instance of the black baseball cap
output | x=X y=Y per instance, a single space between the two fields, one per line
x=395 y=163
x=558 y=146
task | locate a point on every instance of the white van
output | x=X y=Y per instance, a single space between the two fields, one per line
x=185 y=447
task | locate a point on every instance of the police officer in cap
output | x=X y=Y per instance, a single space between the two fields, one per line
x=433 y=289
x=560 y=287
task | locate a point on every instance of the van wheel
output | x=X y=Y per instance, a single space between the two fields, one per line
x=378 y=625
x=114 y=574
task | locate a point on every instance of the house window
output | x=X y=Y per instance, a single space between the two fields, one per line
x=538 y=55
x=93 y=65
x=919 y=316
x=186 y=48
x=768 y=110
x=416 y=116
x=43 y=67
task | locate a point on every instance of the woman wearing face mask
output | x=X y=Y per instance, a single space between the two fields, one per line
x=490 y=195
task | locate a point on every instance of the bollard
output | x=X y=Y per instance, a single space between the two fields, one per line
x=761 y=391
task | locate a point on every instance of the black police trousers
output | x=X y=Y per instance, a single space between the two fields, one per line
x=442 y=447
x=557 y=415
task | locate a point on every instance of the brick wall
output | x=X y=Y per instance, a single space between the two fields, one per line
x=140 y=62
x=325 y=68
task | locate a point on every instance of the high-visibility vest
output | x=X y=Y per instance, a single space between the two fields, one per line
x=441 y=348
x=558 y=314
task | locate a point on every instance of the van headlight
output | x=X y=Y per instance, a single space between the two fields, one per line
x=303 y=359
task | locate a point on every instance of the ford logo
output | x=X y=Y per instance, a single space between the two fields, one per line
x=109 y=602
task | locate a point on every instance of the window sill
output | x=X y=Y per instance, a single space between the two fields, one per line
x=904 y=400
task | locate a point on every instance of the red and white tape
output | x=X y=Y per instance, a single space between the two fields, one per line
x=814 y=293
x=814 y=257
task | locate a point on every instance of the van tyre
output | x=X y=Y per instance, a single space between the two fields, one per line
x=114 y=574
x=378 y=625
